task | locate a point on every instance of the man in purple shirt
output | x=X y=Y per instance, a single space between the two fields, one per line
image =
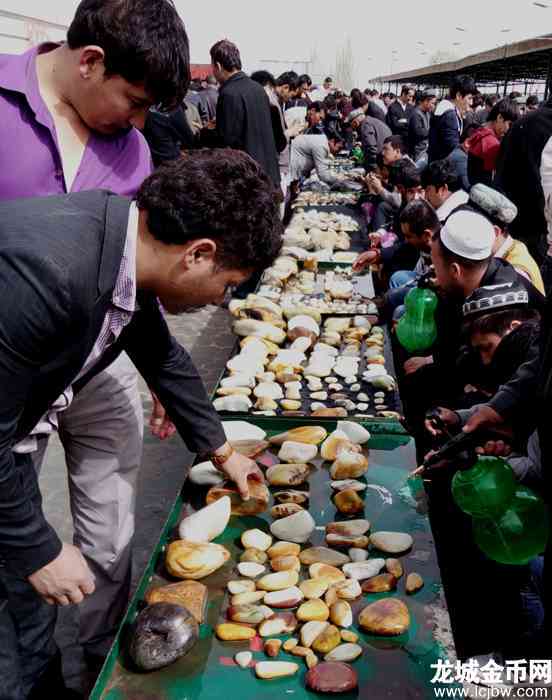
x=69 y=116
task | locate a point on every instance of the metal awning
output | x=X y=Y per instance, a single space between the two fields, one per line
x=527 y=60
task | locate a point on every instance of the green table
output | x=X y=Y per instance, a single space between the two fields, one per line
x=389 y=668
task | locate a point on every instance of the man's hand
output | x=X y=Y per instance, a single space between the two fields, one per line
x=448 y=417
x=65 y=580
x=484 y=417
x=495 y=448
x=239 y=469
x=375 y=239
x=365 y=259
x=160 y=424
x=414 y=363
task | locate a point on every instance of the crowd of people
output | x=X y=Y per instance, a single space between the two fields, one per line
x=145 y=193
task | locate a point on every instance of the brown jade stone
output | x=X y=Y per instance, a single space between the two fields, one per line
x=332 y=677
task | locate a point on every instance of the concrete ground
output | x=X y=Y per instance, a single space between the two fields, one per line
x=207 y=336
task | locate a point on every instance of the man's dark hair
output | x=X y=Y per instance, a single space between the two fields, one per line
x=451 y=257
x=478 y=101
x=330 y=103
x=263 y=77
x=227 y=54
x=396 y=142
x=405 y=174
x=463 y=84
x=427 y=95
x=302 y=79
x=317 y=106
x=392 y=95
x=222 y=194
x=506 y=108
x=420 y=216
x=490 y=101
x=358 y=99
x=532 y=101
x=288 y=78
x=405 y=89
x=328 y=79
x=441 y=173
x=514 y=95
x=144 y=41
x=499 y=321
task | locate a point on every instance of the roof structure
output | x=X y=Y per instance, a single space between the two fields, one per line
x=527 y=60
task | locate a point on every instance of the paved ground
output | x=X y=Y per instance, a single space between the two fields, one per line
x=207 y=336
x=163 y=467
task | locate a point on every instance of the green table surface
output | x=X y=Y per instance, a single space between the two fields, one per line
x=398 y=667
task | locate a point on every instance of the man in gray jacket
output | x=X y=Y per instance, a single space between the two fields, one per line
x=418 y=129
x=373 y=133
x=310 y=152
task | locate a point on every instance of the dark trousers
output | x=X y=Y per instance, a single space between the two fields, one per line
x=27 y=648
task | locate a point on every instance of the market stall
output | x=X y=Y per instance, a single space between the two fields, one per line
x=314 y=400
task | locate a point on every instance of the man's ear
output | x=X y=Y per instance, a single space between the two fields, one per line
x=456 y=270
x=427 y=237
x=200 y=251
x=91 y=58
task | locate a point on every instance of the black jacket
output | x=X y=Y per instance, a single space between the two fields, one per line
x=244 y=122
x=418 y=133
x=59 y=261
x=397 y=119
x=518 y=176
x=444 y=131
x=168 y=134
x=373 y=133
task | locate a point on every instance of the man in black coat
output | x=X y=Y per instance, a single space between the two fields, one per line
x=200 y=226
x=399 y=112
x=243 y=111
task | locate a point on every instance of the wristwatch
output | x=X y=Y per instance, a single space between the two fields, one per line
x=219 y=458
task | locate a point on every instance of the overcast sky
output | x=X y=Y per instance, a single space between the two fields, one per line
x=291 y=30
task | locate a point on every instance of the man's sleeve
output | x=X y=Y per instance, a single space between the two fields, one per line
x=36 y=323
x=449 y=134
x=170 y=372
x=546 y=182
x=230 y=120
x=320 y=156
x=369 y=146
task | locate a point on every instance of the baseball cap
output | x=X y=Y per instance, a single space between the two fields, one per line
x=355 y=114
x=469 y=235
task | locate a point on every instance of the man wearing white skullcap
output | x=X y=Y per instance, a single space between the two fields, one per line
x=461 y=252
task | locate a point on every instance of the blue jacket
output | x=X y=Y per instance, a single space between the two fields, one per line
x=444 y=131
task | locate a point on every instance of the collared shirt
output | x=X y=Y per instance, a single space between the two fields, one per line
x=123 y=305
x=29 y=149
x=32 y=164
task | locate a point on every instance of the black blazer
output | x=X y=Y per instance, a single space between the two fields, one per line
x=59 y=261
x=244 y=122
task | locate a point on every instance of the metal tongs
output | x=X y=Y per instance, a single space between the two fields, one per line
x=461 y=446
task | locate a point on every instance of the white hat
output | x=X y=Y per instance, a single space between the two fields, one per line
x=469 y=235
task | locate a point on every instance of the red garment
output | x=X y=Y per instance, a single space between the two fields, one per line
x=485 y=145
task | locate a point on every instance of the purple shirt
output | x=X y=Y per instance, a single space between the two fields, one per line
x=30 y=161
